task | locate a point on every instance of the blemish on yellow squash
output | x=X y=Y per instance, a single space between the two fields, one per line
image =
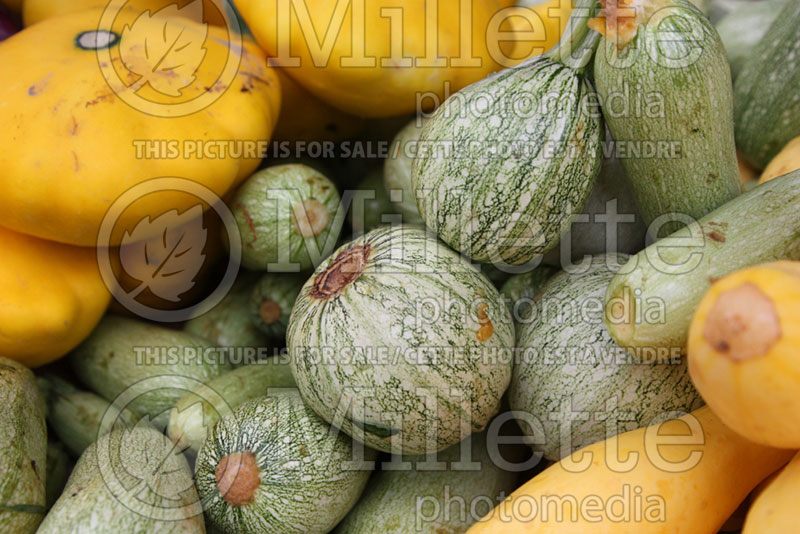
x=786 y=161
x=690 y=485
x=775 y=508
x=51 y=297
x=69 y=141
x=372 y=65
x=743 y=352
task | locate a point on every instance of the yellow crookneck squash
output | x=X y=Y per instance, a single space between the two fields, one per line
x=73 y=142
x=382 y=58
x=51 y=297
x=775 y=507
x=743 y=352
x=689 y=476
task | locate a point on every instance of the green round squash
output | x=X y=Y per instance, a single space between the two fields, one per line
x=367 y=211
x=288 y=217
x=397 y=170
x=570 y=374
x=502 y=167
x=399 y=342
x=273 y=467
x=271 y=301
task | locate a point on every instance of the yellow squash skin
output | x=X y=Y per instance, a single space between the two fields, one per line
x=34 y=11
x=51 y=297
x=697 y=499
x=743 y=352
x=775 y=508
x=385 y=82
x=69 y=140
x=786 y=161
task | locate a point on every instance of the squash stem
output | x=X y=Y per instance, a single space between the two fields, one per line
x=576 y=47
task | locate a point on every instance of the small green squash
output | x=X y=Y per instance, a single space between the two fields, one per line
x=420 y=498
x=767 y=91
x=397 y=170
x=128 y=481
x=161 y=364
x=274 y=467
x=569 y=373
x=417 y=336
x=76 y=415
x=196 y=412
x=289 y=218
x=669 y=105
x=23 y=450
x=743 y=27
x=371 y=205
x=502 y=167
x=271 y=302
x=650 y=302
x=59 y=466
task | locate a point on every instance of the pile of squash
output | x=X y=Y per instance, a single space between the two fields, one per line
x=457 y=266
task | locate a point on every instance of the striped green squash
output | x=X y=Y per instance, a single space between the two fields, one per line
x=399 y=342
x=743 y=27
x=274 y=467
x=397 y=170
x=271 y=302
x=669 y=104
x=160 y=363
x=289 y=218
x=767 y=91
x=23 y=450
x=419 y=496
x=575 y=380
x=505 y=164
x=132 y=481
x=196 y=412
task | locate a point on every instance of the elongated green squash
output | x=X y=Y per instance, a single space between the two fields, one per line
x=128 y=481
x=196 y=412
x=575 y=380
x=669 y=105
x=271 y=302
x=650 y=302
x=274 y=467
x=420 y=498
x=505 y=164
x=161 y=364
x=399 y=342
x=767 y=92
x=23 y=450
x=743 y=27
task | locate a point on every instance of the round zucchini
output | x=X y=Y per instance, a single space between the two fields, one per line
x=271 y=301
x=397 y=170
x=273 y=467
x=288 y=217
x=576 y=381
x=399 y=342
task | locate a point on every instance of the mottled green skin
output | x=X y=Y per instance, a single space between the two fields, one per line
x=397 y=170
x=767 y=91
x=108 y=363
x=696 y=112
x=264 y=210
x=229 y=323
x=194 y=415
x=75 y=415
x=520 y=290
x=158 y=493
x=307 y=485
x=282 y=289
x=59 y=466
x=23 y=450
x=400 y=501
x=567 y=356
x=492 y=206
x=742 y=28
x=367 y=213
x=375 y=343
x=759 y=226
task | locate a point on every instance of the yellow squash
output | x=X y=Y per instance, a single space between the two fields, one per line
x=775 y=508
x=51 y=297
x=684 y=476
x=382 y=58
x=34 y=11
x=744 y=352
x=786 y=161
x=73 y=142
